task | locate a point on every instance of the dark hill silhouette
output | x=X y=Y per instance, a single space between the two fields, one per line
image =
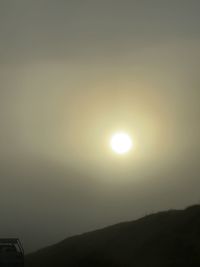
x=170 y=238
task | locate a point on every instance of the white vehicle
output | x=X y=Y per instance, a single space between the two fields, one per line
x=11 y=253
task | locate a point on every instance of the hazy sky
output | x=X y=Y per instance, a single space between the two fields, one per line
x=71 y=74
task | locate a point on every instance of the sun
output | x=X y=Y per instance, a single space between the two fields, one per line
x=121 y=143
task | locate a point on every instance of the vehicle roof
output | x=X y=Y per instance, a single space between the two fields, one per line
x=14 y=241
x=9 y=240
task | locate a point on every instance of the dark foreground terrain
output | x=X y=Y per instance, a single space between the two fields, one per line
x=170 y=238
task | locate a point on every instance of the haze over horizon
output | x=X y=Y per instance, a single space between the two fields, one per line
x=72 y=73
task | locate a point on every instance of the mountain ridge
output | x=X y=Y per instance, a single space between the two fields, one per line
x=167 y=238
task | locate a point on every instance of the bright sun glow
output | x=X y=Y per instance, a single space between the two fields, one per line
x=121 y=143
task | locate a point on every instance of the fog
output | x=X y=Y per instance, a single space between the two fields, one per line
x=71 y=74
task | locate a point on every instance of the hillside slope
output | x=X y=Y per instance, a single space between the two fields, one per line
x=170 y=238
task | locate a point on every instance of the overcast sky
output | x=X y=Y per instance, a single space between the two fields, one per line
x=71 y=74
